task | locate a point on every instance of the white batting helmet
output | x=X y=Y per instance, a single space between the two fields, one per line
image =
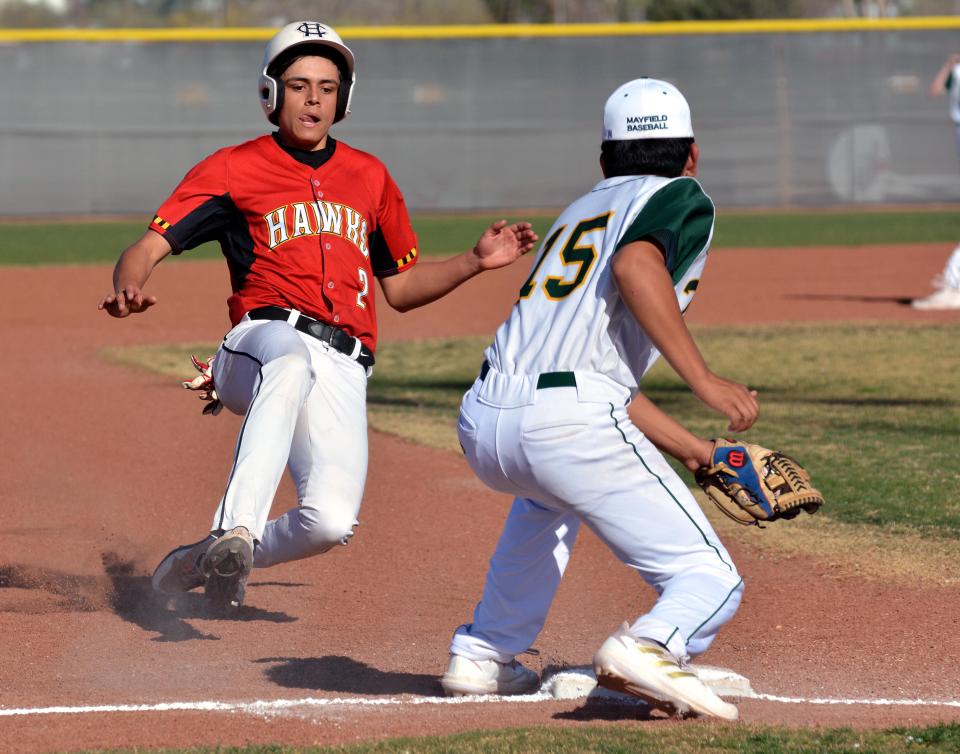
x=283 y=46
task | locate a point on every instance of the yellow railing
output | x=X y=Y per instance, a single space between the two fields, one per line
x=759 y=26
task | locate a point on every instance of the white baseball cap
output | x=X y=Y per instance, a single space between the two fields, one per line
x=646 y=109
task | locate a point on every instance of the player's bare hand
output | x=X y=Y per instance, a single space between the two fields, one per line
x=735 y=401
x=502 y=243
x=123 y=303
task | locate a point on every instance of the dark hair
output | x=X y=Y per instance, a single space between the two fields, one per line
x=664 y=157
x=290 y=56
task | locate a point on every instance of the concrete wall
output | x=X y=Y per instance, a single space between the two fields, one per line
x=782 y=119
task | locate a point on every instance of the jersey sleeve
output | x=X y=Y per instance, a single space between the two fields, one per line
x=393 y=245
x=679 y=220
x=200 y=208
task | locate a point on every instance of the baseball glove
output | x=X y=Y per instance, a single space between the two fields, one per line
x=752 y=484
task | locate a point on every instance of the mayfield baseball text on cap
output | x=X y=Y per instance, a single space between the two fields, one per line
x=646 y=109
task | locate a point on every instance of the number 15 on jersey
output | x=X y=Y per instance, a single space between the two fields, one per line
x=577 y=255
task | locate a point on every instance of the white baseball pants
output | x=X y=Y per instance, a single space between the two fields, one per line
x=571 y=454
x=305 y=407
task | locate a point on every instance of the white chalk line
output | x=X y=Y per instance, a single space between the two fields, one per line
x=267 y=706
x=874 y=702
x=264 y=707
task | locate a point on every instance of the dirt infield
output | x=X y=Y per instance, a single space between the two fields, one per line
x=106 y=469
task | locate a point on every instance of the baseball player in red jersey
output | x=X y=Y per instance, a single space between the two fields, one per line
x=306 y=223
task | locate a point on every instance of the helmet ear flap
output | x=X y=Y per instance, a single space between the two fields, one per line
x=271 y=97
x=343 y=98
x=274 y=117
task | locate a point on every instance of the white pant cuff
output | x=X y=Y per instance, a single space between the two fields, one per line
x=475 y=648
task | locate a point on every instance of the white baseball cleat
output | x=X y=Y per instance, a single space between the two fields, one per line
x=227 y=564
x=947 y=297
x=181 y=569
x=468 y=677
x=646 y=669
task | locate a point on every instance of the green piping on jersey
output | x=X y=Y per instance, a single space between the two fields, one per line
x=636 y=452
x=498 y=31
x=679 y=218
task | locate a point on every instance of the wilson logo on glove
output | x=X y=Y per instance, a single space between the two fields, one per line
x=752 y=484
x=736 y=458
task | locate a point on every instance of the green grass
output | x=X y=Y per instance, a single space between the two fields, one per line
x=91 y=242
x=871 y=410
x=661 y=738
x=761 y=230
x=51 y=242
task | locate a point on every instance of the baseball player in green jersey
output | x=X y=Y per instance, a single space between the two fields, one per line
x=947 y=284
x=556 y=419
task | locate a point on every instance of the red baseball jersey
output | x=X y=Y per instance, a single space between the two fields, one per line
x=294 y=236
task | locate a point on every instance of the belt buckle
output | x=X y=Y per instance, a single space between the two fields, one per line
x=345 y=343
x=316 y=329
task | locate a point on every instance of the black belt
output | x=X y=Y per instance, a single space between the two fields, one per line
x=333 y=336
x=544 y=380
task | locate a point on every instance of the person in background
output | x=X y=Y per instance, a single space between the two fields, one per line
x=947 y=283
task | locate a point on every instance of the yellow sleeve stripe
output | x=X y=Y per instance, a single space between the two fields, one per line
x=159 y=221
x=408 y=259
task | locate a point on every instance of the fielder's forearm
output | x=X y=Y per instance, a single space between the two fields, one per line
x=668 y=434
x=647 y=290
